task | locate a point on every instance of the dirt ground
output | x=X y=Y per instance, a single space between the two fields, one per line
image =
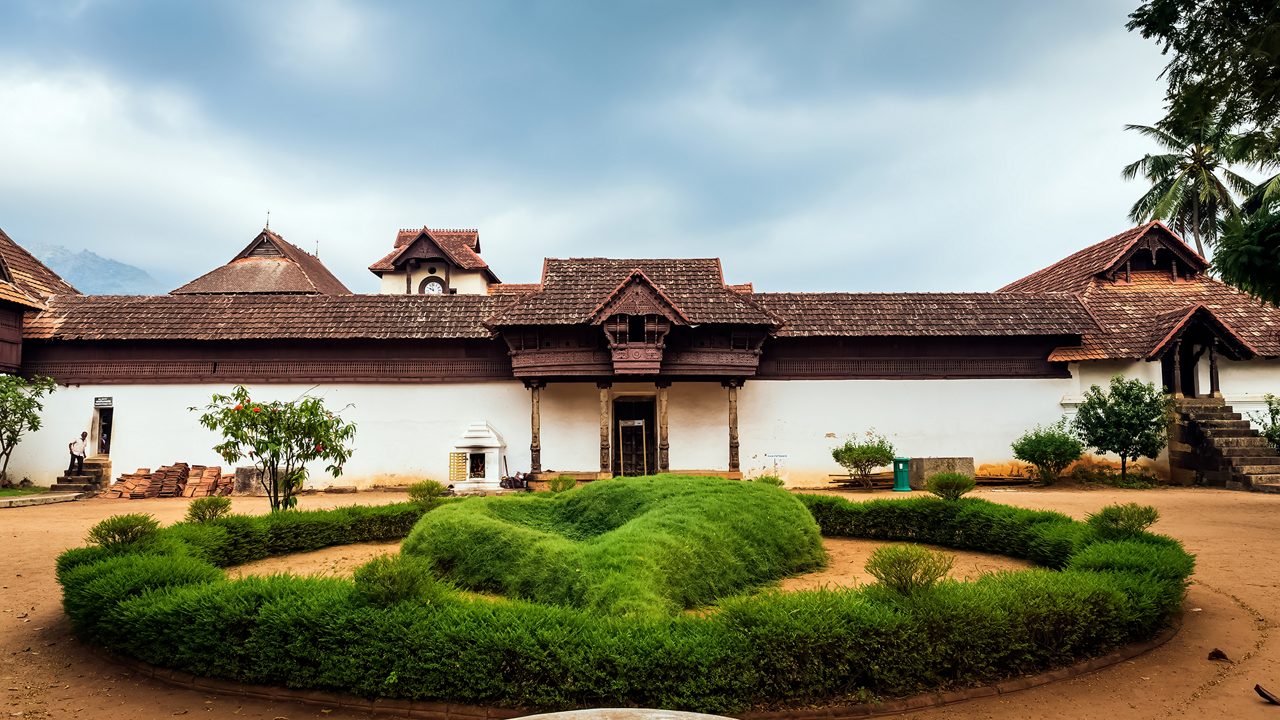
x=1234 y=605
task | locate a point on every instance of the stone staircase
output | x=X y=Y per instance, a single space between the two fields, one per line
x=96 y=476
x=1219 y=447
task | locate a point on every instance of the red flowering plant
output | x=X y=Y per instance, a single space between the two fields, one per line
x=280 y=438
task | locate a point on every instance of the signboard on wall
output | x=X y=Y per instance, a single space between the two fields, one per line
x=102 y=402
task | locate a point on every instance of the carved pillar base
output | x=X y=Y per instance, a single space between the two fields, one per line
x=606 y=462
x=535 y=426
x=664 y=446
x=733 y=386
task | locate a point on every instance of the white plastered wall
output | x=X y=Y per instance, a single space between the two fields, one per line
x=404 y=432
x=465 y=282
x=791 y=426
x=1245 y=383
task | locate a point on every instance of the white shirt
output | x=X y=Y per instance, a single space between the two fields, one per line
x=77 y=447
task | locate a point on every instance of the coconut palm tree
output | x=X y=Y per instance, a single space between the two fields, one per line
x=1191 y=183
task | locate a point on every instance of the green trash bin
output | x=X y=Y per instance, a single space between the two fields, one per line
x=901 y=479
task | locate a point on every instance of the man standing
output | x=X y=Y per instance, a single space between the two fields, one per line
x=77 y=448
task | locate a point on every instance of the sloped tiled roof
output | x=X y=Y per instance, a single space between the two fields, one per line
x=574 y=288
x=1076 y=271
x=262 y=317
x=461 y=247
x=25 y=280
x=1136 y=315
x=292 y=271
x=927 y=314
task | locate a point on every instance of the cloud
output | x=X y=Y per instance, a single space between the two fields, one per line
x=322 y=41
x=142 y=175
x=924 y=190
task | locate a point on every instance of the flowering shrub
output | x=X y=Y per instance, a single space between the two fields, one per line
x=280 y=438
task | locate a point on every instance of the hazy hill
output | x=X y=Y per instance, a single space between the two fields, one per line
x=93 y=274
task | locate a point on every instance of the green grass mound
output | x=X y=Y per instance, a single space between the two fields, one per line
x=656 y=544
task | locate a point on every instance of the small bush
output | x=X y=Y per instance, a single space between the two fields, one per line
x=1118 y=522
x=1050 y=449
x=950 y=485
x=208 y=508
x=773 y=480
x=387 y=580
x=121 y=530
x=561 y=483
x=427 y=491
x=1268 y=421
x=908 y=569
x=860 y=457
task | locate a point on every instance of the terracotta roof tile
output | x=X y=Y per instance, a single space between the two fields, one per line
x=28 y=274
x=572 y=289
x=461 y=247
x=927 y=314
x=262 y=316
x=292 y=270
x=1076 y=271
x=1135 y=315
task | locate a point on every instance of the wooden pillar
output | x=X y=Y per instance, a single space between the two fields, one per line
x=1214 y=388
x=535 y=426
x=606 y=461
x=664 y=445
x=733 y=386
x=1177 y=369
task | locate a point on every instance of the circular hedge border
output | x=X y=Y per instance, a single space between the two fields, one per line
x=165 y=601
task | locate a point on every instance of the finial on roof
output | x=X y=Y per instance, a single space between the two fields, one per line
x=268 y=225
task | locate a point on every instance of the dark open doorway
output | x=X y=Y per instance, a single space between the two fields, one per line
x=635 y=436
x=105 y=417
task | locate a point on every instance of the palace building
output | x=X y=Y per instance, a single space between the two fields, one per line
x=613 y=366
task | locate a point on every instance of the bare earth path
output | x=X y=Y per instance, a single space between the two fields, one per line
x=46 y=673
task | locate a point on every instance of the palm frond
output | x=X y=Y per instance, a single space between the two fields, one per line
x=1161 y=136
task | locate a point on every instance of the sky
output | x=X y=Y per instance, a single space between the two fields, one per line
x=870 y=145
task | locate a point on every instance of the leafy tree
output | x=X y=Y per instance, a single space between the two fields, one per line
x=860 y=457
x=1191 y=184
x=1128 y=419
x=1222 y=53
x=1050 y=448
x=280 y=438
x=1248 y=254
x=20 y=406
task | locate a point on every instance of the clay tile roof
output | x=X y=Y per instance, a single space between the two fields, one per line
x=24 y=279
x=1076 y=271
x=1134 y=316
x=927 y=314
x=269 y=264
x=262 y=317
x=573 y=289
x=460 y=247
x=514 y=288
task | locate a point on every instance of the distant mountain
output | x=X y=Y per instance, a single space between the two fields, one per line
x=93 y=274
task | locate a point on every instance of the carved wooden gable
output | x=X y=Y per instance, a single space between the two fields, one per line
x=1157 y=247
x=637 y=295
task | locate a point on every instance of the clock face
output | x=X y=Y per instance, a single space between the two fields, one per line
x=433 y=287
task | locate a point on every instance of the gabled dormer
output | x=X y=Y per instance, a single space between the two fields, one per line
x=1147 y=251
x=269 y=264
x=435 y=262
x=636 y=318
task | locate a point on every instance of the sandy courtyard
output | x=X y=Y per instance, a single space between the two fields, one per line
x=1233 y=605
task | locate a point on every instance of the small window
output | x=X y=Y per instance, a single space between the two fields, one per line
x=635 y=328
x=476 y=466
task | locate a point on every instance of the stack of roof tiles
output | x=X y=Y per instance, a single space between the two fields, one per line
x=176 y=480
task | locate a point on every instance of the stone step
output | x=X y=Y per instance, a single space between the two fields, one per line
x=1214 y=424
x=1229 y=432
x=1255 y=470
x=61 y=487
x=1237 y=451
x=1267 y=487
x=1261 y=478
x=1206 y=416
x=1251 y=442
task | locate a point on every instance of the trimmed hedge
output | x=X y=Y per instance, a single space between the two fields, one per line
x=164 y=602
